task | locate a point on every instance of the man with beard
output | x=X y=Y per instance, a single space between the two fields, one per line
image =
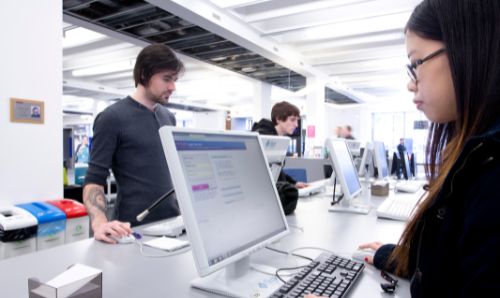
x=126 y=140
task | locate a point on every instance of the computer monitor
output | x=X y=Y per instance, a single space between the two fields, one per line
x=380 y=160
x=406 y=166
x=366 y=165
x=230 y=206
x=345 y=171
x=354 y=147
x=275 y=148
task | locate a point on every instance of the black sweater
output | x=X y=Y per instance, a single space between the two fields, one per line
x=126 y=140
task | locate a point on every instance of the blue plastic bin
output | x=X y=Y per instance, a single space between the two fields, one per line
x=51 y=224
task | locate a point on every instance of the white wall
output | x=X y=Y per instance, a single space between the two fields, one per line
x=341 y=116
x=31 y=68
x=360 y=116
x=210 y=120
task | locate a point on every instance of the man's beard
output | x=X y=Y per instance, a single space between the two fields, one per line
x=159 y=99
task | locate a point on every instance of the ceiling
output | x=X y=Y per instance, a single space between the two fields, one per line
x=355 y=46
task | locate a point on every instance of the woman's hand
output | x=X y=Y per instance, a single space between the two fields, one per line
x=373 y=246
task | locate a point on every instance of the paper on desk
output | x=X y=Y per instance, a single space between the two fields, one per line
x=168 y=244
x=71 y=280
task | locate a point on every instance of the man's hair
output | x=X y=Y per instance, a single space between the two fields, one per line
x=349 y=128
x=154 y=59
x=282 y=110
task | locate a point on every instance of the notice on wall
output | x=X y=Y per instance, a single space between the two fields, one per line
x=311 y=131
x=27 y=111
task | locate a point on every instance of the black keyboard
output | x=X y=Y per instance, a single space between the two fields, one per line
x=328 y=275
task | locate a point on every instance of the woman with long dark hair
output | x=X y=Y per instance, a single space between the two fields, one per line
x=451 y=246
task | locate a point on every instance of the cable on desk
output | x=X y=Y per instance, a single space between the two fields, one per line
x=287 y=253
x=311 y=247
x=346 y=255
x=174 y=253
x=287 y=269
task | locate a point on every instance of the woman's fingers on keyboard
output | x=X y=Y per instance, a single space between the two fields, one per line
x=372 y=245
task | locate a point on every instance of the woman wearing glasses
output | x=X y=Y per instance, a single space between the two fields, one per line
x=451 y=246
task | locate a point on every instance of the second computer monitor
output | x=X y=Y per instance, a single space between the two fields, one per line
x=344 y=167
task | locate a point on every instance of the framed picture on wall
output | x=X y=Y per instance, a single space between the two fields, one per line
x=27 y=111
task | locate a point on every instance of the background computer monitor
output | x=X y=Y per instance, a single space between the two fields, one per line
x=406 y=166
x=346 y=173
x=366 y=165
x=275 y=148
x=380 y=160
x=229 y=204
x=354 y=147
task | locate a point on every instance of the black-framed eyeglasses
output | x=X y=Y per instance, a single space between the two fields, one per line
x=412 y=67
x=390 y=286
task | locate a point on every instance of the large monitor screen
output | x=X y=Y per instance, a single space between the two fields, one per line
x=226 y=194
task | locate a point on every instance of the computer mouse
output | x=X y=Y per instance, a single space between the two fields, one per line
x=124 y=239
x=361 y=254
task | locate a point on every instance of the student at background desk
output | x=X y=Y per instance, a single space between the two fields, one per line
x=284 y=120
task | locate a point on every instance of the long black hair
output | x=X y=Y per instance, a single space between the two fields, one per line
x=470 y=30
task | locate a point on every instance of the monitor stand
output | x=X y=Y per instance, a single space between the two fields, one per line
x=350 y=208
x=238 y=280
x=346 y=205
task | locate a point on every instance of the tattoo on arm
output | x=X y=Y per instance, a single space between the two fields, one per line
x=95 y=201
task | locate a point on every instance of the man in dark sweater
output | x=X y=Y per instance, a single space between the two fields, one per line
x=126 y=140
x=284 y=120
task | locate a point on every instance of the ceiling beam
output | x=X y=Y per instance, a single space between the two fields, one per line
x=97 y=57
x=84 y=85
x=334 y=15
x=280 y=9
x=370 y=25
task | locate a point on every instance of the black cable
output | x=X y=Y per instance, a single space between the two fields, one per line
x=285 y=253
x=341 y=196
x=287 y=269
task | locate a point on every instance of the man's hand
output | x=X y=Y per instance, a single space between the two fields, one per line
x=106 y=230
x=95 y=202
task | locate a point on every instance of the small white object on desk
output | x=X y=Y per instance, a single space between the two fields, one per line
x=168 y=244
x=409 y=186
x=68 y=282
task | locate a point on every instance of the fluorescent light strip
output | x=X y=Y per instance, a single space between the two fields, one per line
x=104 y=69
x=79 y=36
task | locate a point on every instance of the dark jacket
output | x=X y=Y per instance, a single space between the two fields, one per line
x=267 y=127
x=456 y=249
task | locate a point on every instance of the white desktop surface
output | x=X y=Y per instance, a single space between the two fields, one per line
x=126 y=273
